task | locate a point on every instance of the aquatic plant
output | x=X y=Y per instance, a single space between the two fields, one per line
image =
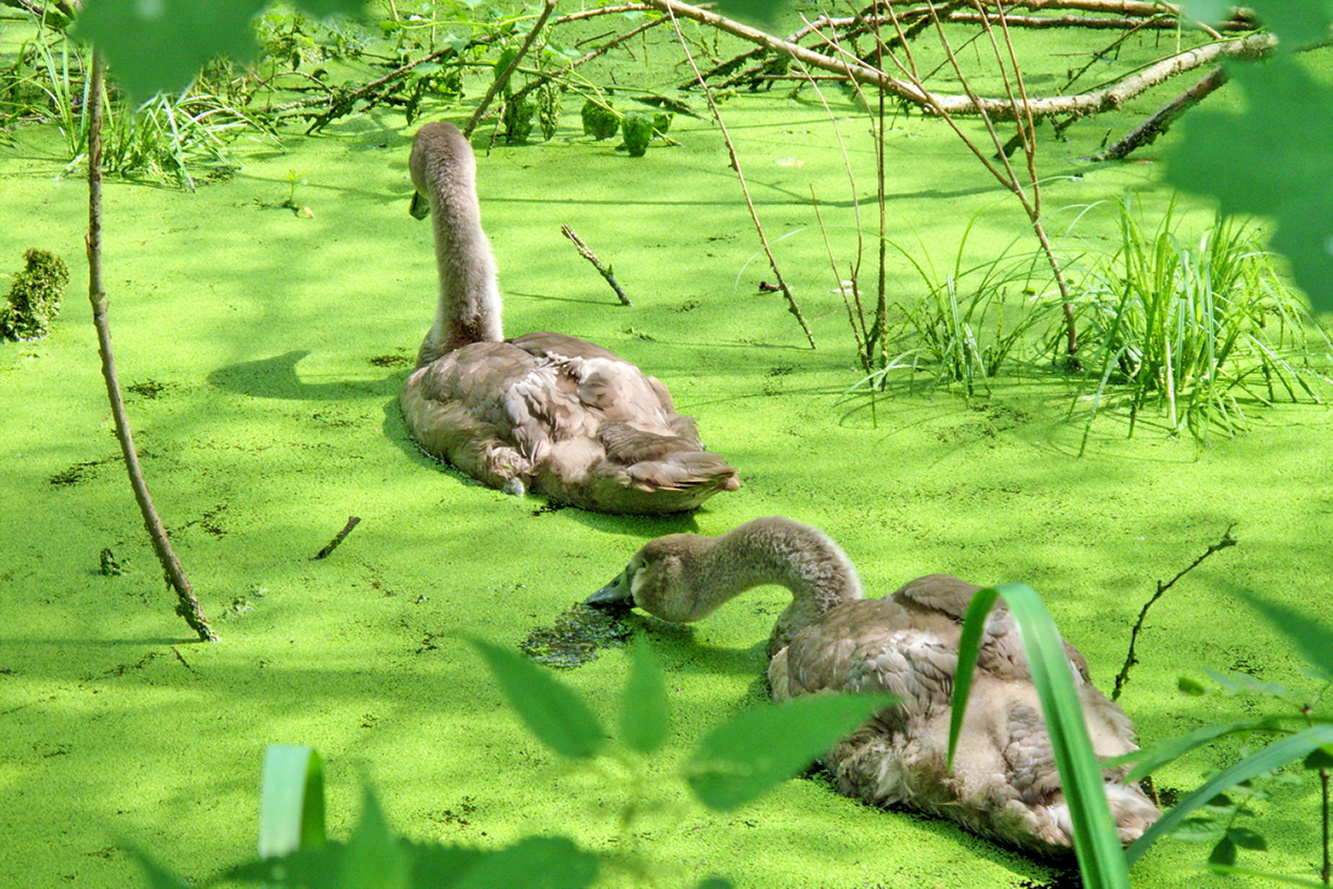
x=637 y=131
x=1196 y=327
x=34 y=296
x=600 y=120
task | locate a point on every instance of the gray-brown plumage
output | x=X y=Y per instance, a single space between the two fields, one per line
x=547 y=411
x=1003 y=783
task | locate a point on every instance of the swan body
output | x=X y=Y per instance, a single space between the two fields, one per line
x=1003 y=783
x=544 y=411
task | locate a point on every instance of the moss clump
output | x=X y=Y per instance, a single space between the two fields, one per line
x=34 y=297
x=637 y=131
x=549 y=100
x=599 y=121
x=518 y=115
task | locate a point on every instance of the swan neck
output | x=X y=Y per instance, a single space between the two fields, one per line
x=789 y=554
x=469 y=308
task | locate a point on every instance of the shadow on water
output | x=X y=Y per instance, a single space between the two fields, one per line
x=276 y=377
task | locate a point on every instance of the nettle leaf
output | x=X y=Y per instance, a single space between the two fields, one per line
x=1295 y=23
x=751 y=753
x=644 y=715
x=1224 y=853
x=1207 y=11
x=534 y=863
x=759 y=13
x=373 y=855
x=1275 y=160
x=154 y=46
x=551 y=710
x=1244 y=838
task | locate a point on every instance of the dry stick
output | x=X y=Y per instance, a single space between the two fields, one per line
x=1130 y=660
x=352 y=522
x=1109 y=98
x=603 y=270
x=187 y=605
x=1148 y=131
x=745 y=189
x=503 y=77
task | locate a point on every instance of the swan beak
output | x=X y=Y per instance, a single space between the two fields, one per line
x=420 y=207
x=617 y=592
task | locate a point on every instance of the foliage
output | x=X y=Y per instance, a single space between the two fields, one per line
x=600 y=120
x=1195 y=328
x=34 y=296
x=637 y=131
x=1305 y=734
x=967 y=326
x=1096 y=844
x=1236 y=158
x=737 y=761
x=159 y=47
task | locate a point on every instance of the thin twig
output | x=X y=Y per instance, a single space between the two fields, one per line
x=603 y=270
x=352 y=522
x=187 y=605
x=740 y=175
x=502 y=78
x=1130 y=659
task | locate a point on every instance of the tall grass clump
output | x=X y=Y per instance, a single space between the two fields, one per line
x=968 y=325
x=1197 y=329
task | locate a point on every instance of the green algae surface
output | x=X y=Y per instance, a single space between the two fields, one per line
x=262 y=353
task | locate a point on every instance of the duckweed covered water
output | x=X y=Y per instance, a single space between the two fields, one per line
x=577 y=635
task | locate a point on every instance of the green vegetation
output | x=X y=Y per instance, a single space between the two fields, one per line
x=34 y=296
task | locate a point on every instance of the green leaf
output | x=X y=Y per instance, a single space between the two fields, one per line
x=1272 y=757
x=1275 y=159
x=534 y=863
x=749 y=754
x=157 y=876
x=1224 y=853
x=1312 y=637
x=1320 y=758
x=551 y=710
x=644 y=715
x=291 y=800
x=374 y=856
x=1153 y=757
x=1095 y=840
x=1188 y=686
x=1244 y=838
x=759 y=13
x=155 y=46
x=307 y=868
x=1294 y=23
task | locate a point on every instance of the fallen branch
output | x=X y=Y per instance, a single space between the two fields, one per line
x=1130 y=660
x=1148 y=131
x=352 y=522
x=1107 y=99
x=603 y=270
x=187 y=606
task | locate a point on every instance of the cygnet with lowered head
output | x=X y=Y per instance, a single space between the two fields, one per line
x=1003 y=783
x=545 y=411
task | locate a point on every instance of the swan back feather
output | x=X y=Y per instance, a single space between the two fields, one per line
x=1003 y=783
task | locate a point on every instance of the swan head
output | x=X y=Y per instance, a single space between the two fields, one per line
x=442 y=166
x=662 y=579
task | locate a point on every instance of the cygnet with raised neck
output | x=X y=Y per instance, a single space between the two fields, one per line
x=1003 y=783
x=544 y=411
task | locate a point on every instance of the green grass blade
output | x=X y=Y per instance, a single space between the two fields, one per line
x=1151 y=758
x=1101 y=860
x=644 y=715
x=551 y=710
x=291 y=801
x=751 y=753
x=1274 y=756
